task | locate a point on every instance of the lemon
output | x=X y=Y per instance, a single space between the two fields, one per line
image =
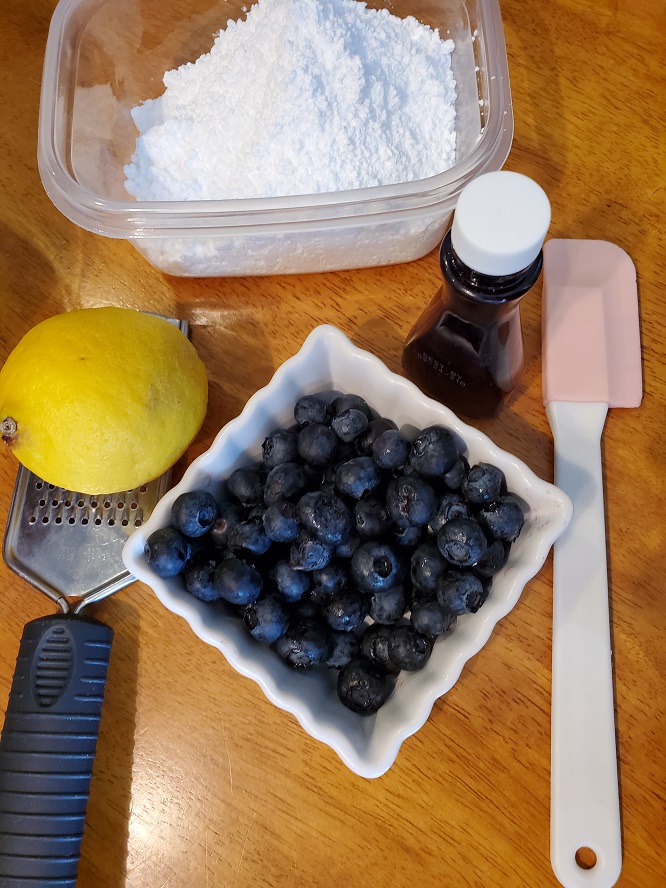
x=102 y=400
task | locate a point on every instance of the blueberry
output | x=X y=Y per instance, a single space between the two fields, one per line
x=249 y=537
x=358 y=476
x=292 y=584
x=434 y=452
x=503 y=518
x=238 y=582
x=279 y=447
x=317 y=444
x=494 y=559
x=363 y=687
x=310 y=409
x=266 y=619
x=345 y=610
x=349 y=402
x=375 y=643
x=460 y=592
x=349 y=424
x=331 y=578
x=281 y=522
x=309 y=553
x=371 y=517
x=167 y=551
x=326 y=517
x=375 y=566
x=200 y=581
x=318 y=595
x=390 y=450
x=410 y=500
x=483 y=484
x=346 y=550
x=203 y=552
x=408 y=649
x=246 y=485
x=388 y=605
x=406 y=537
x=305 y=644
x=228 y=515
x=375 y=428
x=454 y=477
x=427 y=566
x=345 y=647
x=284 y=482
x=462 y=541
x=429 y=617
x=450 y=505
x=193 y=512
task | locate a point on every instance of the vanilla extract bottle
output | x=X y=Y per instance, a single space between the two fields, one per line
x=466 y=349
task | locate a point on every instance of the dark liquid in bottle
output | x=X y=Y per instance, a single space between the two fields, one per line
x=466 y=349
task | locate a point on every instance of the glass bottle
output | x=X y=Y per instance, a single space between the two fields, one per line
x=466 y=349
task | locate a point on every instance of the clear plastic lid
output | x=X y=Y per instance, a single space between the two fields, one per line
x=500 y=223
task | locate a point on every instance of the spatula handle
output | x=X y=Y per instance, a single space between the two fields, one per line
x=585 y=809
x=47 y=749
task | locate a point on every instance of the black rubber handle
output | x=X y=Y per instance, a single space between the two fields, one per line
x=47 y=749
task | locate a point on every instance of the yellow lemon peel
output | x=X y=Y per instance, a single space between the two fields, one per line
x=101 y=400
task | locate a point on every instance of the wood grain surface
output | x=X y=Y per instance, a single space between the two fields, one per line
x=199 y=781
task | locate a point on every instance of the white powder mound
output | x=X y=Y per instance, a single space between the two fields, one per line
x=301 y=96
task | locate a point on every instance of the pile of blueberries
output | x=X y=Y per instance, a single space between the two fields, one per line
x=347 y=546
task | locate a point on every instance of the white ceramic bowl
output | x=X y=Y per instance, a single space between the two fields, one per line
x=329 y=361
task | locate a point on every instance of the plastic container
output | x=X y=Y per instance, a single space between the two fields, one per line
x=103 y=57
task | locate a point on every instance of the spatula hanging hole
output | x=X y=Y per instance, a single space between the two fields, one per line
x=586 y=858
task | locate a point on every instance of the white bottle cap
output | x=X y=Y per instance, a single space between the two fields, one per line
x=500 y=223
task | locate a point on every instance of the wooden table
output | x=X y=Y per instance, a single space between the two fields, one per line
x=199 y=781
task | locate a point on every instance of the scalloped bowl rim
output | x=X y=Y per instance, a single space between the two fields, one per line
x=367 y=745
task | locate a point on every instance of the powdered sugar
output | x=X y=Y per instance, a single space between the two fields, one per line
x=299 y=97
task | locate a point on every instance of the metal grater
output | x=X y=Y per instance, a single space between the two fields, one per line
x=69 y=545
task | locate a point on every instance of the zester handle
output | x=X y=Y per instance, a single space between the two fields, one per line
x=47 y=749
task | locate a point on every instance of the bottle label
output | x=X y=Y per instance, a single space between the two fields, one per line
x=444 y=370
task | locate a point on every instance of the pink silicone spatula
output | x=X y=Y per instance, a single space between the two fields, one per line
x=591 y=361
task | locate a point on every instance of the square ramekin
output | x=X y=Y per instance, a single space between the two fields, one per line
x=103 y=57
x=328 y=361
